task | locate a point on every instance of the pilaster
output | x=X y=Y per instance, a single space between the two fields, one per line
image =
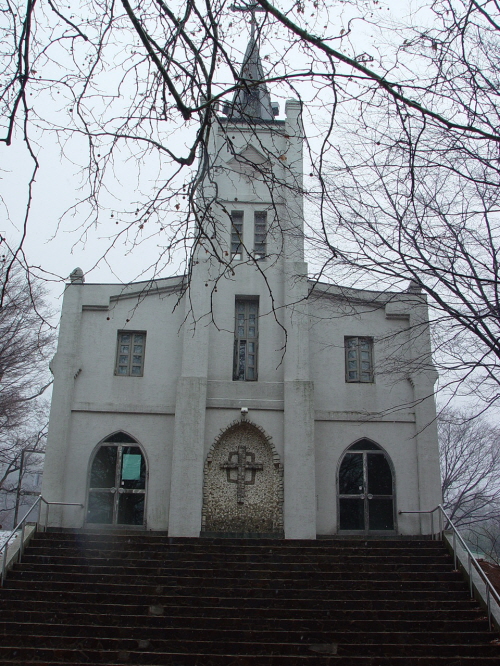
x=299 y=450
x=65 y=367
x=423 y=377
x=186 y=487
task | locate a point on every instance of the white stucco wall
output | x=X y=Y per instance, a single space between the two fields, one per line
x=144 y=407
x=90 y=402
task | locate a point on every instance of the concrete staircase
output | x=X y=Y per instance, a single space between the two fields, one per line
x=143 y=598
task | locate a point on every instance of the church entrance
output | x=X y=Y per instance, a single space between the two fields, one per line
x=243 y=484
x=117 y=484
x=366 y=490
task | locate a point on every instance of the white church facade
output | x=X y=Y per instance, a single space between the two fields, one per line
x=257 y=401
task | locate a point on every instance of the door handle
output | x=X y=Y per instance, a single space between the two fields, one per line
x=362 y=496
x=370 y=496
x=112 y=491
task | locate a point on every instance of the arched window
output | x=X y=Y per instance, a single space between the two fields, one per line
x=366 y=489
x=117 y=484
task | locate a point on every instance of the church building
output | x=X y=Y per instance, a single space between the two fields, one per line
x=245 y=398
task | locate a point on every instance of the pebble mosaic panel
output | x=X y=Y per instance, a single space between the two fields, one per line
x=243 y=482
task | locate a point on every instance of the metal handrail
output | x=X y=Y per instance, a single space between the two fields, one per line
x=22 y=526
x=471 y=560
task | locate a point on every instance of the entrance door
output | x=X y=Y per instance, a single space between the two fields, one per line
x=366 y=490
x=117 y=488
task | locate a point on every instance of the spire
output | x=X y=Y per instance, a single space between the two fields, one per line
x=252 y=101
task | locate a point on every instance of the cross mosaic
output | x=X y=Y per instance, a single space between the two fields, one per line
x=238 y=460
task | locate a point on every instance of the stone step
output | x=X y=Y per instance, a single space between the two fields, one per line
x=154 y=562
x=82 y=536
x=213 y=569
x=100 y=615
x=233 y=552
x=247 y=641
x=233 y=579
x=11 y=600
x=313 y=599
x=318 y=589
x=44 y=657
x=290 y=656
x=239 y=555
x=268 y=563
x=294 y=629
x=192 y=544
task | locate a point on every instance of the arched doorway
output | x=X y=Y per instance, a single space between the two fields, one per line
x=243 y=483
x=117 y=483
x=366 y=489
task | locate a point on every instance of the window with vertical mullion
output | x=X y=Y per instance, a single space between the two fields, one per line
x=130 y=354
x=245 y=340
x=260 y=235
x=359 y=359
x=237 y=234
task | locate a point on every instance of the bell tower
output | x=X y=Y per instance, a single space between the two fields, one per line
x=248 y=299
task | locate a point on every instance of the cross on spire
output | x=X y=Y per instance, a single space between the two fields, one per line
x=251 y=7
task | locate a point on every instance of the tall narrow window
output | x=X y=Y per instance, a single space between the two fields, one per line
x=260 y=238
x=236 y=234
x=130 y=354
x=245 y=340
x=359 y=359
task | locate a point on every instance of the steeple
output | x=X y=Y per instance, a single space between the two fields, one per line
x=252 y=101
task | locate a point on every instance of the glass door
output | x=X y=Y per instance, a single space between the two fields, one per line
x=117 y=488
x=366 y=490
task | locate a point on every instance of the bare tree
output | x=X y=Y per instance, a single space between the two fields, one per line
x=410 y=197
x=485 y=538
x=21 y=465
x=26 y=342
x=402 y=136
x=470 y=468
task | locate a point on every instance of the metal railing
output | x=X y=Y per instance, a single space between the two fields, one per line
x=471 y=560
x=20 y=530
